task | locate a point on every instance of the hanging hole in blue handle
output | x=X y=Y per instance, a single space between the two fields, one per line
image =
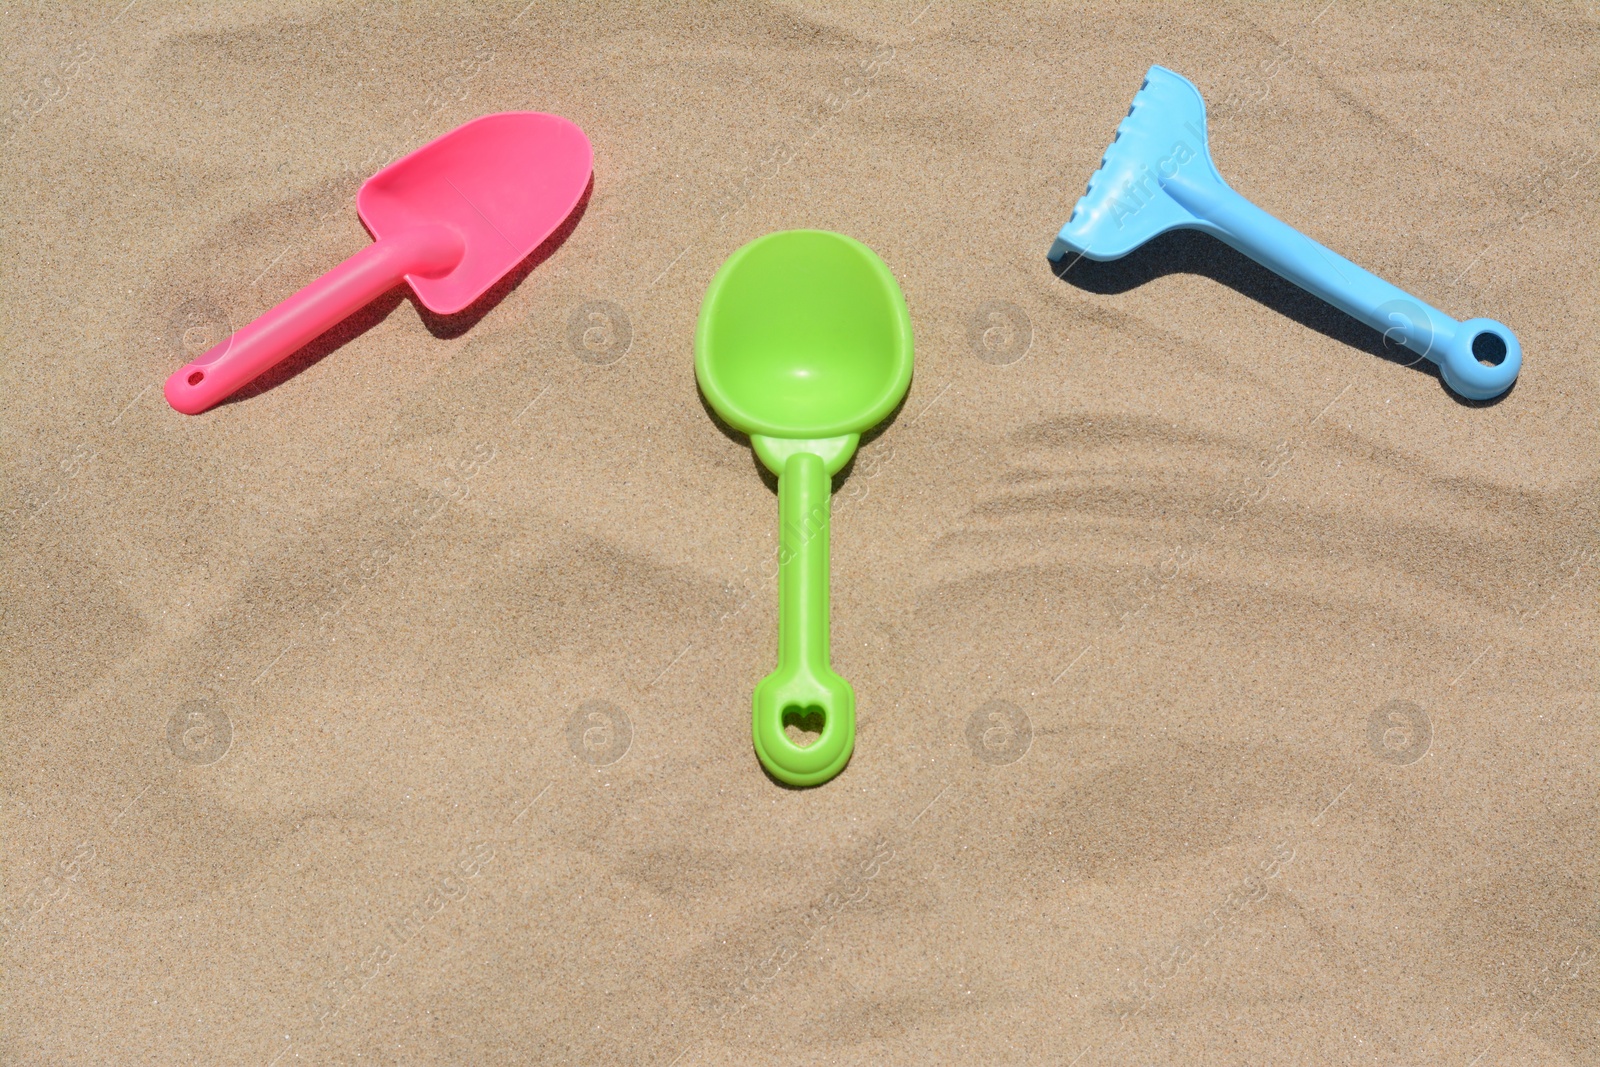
x=1481 y=360
x=1489 y=348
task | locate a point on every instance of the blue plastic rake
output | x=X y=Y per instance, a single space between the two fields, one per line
x=1157 y=175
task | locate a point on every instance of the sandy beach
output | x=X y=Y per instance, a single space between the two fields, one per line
x=1226 y=685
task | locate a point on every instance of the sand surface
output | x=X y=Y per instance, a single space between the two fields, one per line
x=1227 y=688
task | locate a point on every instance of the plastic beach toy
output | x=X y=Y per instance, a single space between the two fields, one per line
x=1157 y=175
x=451 y=218
x=804 y=341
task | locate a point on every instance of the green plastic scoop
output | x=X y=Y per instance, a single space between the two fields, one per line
x=804 y=342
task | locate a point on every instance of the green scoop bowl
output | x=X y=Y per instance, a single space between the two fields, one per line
x=804 y=342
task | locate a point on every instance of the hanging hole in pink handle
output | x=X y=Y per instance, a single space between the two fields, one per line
x=197 y=377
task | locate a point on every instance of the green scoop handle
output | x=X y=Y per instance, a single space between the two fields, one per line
x=804 y=691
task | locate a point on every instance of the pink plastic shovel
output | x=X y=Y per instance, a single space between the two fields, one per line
x=452 y=218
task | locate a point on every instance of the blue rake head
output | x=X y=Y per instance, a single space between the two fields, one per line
x=1125 y=205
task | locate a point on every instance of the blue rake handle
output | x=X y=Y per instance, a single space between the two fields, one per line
x=1393 y=312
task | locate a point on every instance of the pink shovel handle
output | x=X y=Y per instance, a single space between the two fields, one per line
x=428 y=250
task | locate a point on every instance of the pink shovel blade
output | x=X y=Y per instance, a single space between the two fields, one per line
x=504 y=182
x=451 y=219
